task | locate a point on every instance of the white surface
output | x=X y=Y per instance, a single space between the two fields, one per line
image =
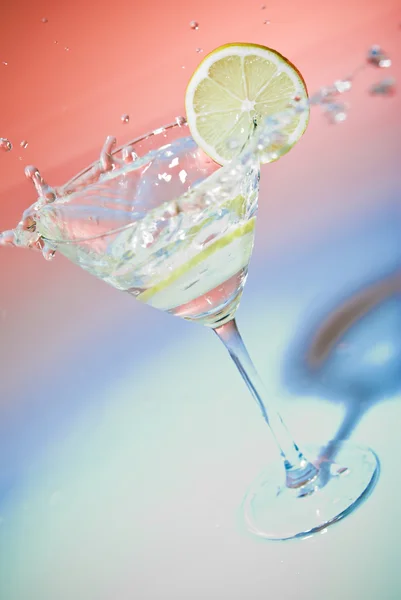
x=140 y=499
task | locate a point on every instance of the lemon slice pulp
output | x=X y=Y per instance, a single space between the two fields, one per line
x=236 y=86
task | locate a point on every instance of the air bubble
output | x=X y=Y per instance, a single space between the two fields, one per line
x=194 y=25
x=124 y=118
x=232 y=144
x=5 y=145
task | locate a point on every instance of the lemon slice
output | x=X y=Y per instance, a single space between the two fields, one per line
x=219 y=261
x=235 y=86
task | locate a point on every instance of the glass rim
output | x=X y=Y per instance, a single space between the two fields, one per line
x=179 y=122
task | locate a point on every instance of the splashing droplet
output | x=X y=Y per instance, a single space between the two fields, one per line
x=343 y=85
x=199 y=50
x=44 y=20
x=386 y=87
x=335 y=112
x=5 y=145
x=24 y=144
x=48 y=252
x=378 y=58
x=194 y=25
x=124 y=119
x=5 y=63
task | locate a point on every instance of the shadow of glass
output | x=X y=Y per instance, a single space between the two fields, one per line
x=351 y=354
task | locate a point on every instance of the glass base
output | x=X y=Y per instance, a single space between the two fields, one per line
x=347 y=474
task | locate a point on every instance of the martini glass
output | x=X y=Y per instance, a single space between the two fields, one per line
x=160 y=220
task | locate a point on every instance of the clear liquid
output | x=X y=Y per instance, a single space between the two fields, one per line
x=188 y=256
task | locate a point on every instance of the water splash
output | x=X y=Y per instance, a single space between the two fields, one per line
x=5 y=145
x=268 y=135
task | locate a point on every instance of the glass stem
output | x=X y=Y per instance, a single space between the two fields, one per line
x=299 y=471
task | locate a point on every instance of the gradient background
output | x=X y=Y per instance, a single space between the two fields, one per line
x=126 y=437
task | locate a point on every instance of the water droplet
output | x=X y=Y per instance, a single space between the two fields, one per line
x=5 y=63
x=180 y=121
x=5 y=145
x=44 y=20
x=24 y=144
x=194 y=25
x=343 y=85
x=55 y=42
x=267 y=22
x=7 y=238
x=66 y=48
x=335 y=112
x=48 y=252
x=199 y=50
x=182 y=66
x=378 y=58
x=124 y=118
x=386 y=87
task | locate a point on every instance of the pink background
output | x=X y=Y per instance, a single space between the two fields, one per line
x=70 y=346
